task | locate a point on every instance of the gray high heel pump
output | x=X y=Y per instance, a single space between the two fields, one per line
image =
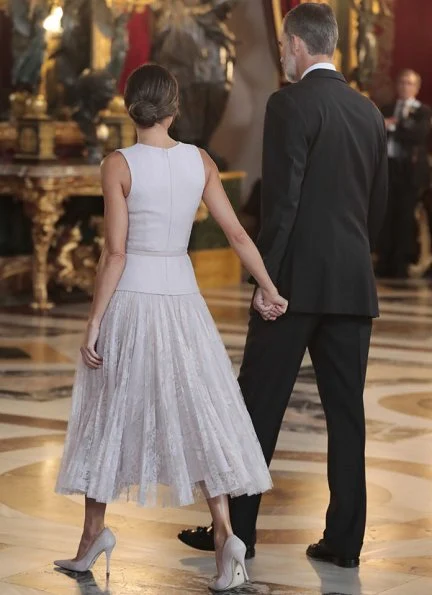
x=233 y=572
x=104 y=543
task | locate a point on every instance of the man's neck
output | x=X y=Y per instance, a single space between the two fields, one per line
x=314 y=62
x=323 y=59
x=328 y=65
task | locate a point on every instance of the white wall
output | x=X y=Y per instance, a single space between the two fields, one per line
x=239 y=136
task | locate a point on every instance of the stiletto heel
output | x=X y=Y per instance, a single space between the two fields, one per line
x=108 y=553
x=233 y=573
x=104 y=542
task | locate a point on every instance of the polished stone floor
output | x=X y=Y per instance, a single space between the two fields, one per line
x=37 y=357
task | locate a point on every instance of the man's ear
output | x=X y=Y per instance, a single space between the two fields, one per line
x=297 y=44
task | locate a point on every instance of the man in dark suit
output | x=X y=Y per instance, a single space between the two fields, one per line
x=324 y=190
x=408 y=123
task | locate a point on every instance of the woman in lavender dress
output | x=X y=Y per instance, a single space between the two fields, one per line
x=157 y=413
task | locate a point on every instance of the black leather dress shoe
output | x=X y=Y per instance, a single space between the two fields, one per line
x=320 y=551
x=201 y=538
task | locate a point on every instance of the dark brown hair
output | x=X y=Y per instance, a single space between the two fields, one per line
x=316 y=25
x=151 y=95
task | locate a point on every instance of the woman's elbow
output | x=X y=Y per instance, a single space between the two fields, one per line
x=115 y=257
x=238 y=237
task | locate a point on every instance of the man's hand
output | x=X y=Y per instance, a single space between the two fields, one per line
x=269 y=305
x=390 y=123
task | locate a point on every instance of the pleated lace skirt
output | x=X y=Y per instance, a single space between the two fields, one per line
x=164 y=416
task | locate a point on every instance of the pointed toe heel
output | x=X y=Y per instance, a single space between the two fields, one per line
x=104 y=543
x=233 y=566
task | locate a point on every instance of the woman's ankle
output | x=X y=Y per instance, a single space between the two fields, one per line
x=221 y=534
x=93 y=530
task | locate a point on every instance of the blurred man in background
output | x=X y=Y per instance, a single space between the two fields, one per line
x=408 y=123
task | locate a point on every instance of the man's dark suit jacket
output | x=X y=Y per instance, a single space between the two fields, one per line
x=412 y=134
x=324 y=194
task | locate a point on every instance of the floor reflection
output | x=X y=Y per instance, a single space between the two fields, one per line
x=86 y=582
x=329 y=575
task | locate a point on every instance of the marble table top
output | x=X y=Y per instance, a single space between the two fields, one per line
x=53 y=169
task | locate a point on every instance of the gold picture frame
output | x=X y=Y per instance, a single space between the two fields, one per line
x=277 y=17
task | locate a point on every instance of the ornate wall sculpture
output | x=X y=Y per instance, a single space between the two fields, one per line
x=193 y=40
x=74 y=263
x=366 y=44
x=372 y=36
x=382 y=84
x=87 y=91
x=28 y=42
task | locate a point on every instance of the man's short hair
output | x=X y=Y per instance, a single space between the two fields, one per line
x=316 y=25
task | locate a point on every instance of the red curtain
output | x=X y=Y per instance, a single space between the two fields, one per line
x=139 y=27
x=413 y=41
x=288 y=4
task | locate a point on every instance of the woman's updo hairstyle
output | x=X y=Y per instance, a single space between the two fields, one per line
x=151 y=95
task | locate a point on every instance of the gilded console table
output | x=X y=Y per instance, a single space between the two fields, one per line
x=44 y=190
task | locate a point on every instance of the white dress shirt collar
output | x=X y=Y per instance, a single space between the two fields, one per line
x=411 y=102
x=321 y=65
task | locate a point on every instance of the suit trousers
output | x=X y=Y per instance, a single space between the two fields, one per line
x=339 y=348
x=396 y=246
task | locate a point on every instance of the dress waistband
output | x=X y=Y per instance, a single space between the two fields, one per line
x=165 y=253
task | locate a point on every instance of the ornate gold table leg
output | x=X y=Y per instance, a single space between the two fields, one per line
x=418 y=269
x=43 y=200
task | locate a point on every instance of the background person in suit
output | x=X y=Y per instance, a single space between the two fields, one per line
x=408 y=124
x=324 y=191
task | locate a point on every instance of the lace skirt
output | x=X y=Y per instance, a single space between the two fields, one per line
x=163 y=418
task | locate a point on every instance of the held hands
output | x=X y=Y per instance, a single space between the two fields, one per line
x=88 y=349
x=269 y=304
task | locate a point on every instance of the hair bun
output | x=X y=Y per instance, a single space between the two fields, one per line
x=145 y=113
x=151 y=95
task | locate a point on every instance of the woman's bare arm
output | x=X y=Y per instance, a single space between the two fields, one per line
x=220 y=207
x=115 y=187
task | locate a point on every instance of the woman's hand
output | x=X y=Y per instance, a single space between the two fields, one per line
x=88 y=349
x=269 y=304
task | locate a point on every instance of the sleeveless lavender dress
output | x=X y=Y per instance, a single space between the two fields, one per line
x=163 y=417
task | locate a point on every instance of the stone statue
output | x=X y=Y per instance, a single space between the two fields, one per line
x=73 y=58
x=366 y=45
x=119 y=44
x=88 y=92
x=94 y=89
x=193 y=41
x=28 y=42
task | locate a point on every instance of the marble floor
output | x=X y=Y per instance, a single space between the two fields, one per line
x=37 y=357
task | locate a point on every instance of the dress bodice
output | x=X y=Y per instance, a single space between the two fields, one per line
x=166 y=190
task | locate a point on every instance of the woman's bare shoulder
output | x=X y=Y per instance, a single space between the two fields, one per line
x=113 y=161
x=209 y=165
